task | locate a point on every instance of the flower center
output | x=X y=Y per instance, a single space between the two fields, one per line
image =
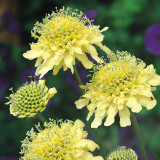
x=55 y=143
x=61 y=29
x=116 y=78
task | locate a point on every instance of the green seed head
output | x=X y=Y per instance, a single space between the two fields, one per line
x=30 y=98
x=122 y=153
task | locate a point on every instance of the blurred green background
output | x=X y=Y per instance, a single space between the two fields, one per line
x=134 y=26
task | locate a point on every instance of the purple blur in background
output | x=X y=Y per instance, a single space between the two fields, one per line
x=91 y=14
x=152 y=39
x=9 y=158
x=4 y=85
x=70 y=79
x=26 y=73
x=127 y=138
x=11 y=23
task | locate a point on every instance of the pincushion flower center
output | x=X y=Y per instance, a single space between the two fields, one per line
x=59 y=145
x=63 y=31
x=116 y=78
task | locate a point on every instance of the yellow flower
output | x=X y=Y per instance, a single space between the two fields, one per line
x=66 y=141
x=122 y=153
x=62 y=37
x=125 y=82
x=30 y=99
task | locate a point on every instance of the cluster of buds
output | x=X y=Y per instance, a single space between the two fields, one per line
x=122 y=153
x=30 y=99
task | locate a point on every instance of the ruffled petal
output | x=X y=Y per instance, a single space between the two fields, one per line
x=52 y=92
x=68 y=59
x=84 y=60
x=42 y=82
x=75 y=50
x=45 y=67
x=38 y=61
x=88 y=144
x=132 y=103
x=99 y=115
x=88 y=94
x=92 y=51
x=81 y=103
x=32 y=54
x=97 y=158
x=155 y=81
x=79 y=123
x=112 y=111
x=81 y=43
x=146 y=91
x=86 y=156
x=57 y=68
x=146 y=102
x=104 y=29
x=124 y=117
x=57 y=59
x=104 y=48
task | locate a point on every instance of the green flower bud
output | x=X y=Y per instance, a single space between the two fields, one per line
x=122 y=153
x=30 y=98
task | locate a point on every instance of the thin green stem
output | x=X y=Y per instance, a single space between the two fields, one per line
x=41 y=117
x=138 y=135
x=77 y=76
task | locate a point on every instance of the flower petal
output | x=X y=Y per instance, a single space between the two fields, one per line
x=52 y=92
x=104 y=29
x=92 y=51
x=112 y=111
x=88 y=144
x=146 y=92
x=68 y=59
x=31 y=54
x=57 y=68
x=42 y=82
x=38 y=61
x=79 y=123
x=99 y=115
x=86 y=156
x=104 y=48
x=84 y=60
x=155 y=81
x=147 y=102
x=81 y=103
x=132 y=103
x=45 y=67
x=124 y=117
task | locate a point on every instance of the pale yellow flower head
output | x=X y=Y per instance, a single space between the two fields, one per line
x=62 y=37
x=122 y=153
x=59 y=140
x=122 y=83
x=30 y=99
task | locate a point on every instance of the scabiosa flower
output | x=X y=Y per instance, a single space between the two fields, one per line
x=63 y=140
x=62 y=37
x=30 y=99
x=125 y=82
x=122 y=153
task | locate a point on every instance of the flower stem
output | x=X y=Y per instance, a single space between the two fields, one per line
x=77 y=76
x=138 y=135
x=41 y=117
